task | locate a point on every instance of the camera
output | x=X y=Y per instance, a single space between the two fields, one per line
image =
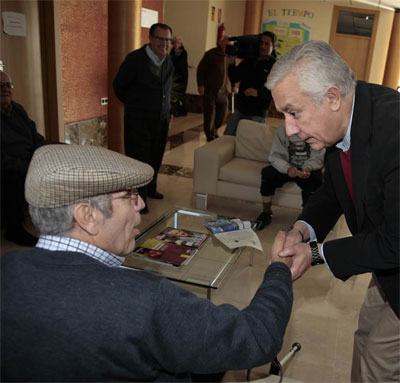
x=244 y=47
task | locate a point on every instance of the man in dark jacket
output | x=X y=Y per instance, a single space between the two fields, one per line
x=254 y=98
x=143 y=83
x=358 y=123
x=19 y=139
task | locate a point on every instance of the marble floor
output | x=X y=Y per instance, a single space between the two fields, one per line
x=325 y=310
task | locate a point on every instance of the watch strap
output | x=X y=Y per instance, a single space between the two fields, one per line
x=316 y=259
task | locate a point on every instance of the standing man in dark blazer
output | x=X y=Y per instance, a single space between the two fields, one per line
x=143 y=83
x=358 y=122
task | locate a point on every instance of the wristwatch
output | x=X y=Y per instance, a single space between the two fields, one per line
x=316 y=259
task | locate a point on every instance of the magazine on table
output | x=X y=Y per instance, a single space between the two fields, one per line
x=182 y=237
x=172 y=246
x=234 y=233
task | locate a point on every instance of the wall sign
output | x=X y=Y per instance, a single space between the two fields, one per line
x=290 y=12
x=149 y=17
x=288 y=35
x=14 y=24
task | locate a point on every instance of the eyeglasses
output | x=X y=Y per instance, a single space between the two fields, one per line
x=131 y=194
x=162 y=39
x=8 y=85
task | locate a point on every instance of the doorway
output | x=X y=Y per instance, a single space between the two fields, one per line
x=353 y=32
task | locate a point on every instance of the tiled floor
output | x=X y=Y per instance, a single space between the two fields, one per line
x=325 y=309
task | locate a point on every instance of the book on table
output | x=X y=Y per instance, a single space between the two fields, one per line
x=172 y=246
x=234 y=233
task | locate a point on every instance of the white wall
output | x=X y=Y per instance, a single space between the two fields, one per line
x=191 y=19
x=22 y=60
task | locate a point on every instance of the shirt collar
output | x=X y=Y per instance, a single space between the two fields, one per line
x=344 y=145
x=61 y=243
x=153 y=57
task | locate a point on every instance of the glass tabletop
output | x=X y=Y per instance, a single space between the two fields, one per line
x=207 y=268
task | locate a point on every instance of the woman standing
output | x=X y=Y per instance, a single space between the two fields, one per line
x=180 y=79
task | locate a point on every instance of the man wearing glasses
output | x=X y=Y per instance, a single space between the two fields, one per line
x=19 y=139
x=69 y=313
x=143 y=83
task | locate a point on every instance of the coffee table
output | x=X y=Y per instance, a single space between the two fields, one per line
x=208 y=268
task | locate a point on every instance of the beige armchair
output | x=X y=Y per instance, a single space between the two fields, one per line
x=231 y=167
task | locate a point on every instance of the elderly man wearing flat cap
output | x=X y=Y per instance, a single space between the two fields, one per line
x=70 y=314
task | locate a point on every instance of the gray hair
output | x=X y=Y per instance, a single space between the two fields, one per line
x=178 y=38
x=60 y=220
x=317 y=67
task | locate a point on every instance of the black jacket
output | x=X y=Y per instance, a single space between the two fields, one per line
x=252 y=73
x=19 y=139
x=140 y=89
x=373 y=219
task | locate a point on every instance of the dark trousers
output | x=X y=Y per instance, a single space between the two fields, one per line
x=12 y=200
x=145 y=141
x=215 y=110
x=272 y=179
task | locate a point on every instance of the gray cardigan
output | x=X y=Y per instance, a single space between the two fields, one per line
x=67 y=317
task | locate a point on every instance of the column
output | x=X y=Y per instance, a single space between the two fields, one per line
x=124 y=33
x=253 y=17
x=391 y=78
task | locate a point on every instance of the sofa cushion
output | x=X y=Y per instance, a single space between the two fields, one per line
x=254 y=140
x=242 y=171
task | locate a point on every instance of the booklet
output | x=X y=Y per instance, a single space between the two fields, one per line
x=234 y=233
x=174 y=247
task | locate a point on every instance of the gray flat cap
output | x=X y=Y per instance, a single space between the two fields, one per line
x=61 y=175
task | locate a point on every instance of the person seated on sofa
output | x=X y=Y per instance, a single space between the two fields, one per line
x=19 y=139
x=291 y=160
x=70 y=313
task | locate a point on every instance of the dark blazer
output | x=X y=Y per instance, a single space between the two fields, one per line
x=373 y=219
x=145 y=93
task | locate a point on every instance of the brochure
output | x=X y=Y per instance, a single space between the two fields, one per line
x=234 y=233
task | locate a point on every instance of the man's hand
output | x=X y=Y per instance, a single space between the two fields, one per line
x=251 y=92
x=277 y=247
x=200 y=88
x=292 y=172
x=300 y=256
x=293 y=237
x=305 y=173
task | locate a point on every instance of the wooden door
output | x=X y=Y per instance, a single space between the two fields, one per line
x=353 y=46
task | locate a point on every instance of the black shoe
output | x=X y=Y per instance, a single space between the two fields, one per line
x=263 y=220
x=145 y=210
x=21 y=237
x=155 y=195
x=209 y=139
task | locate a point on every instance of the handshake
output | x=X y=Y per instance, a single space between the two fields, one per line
x=289 y=247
